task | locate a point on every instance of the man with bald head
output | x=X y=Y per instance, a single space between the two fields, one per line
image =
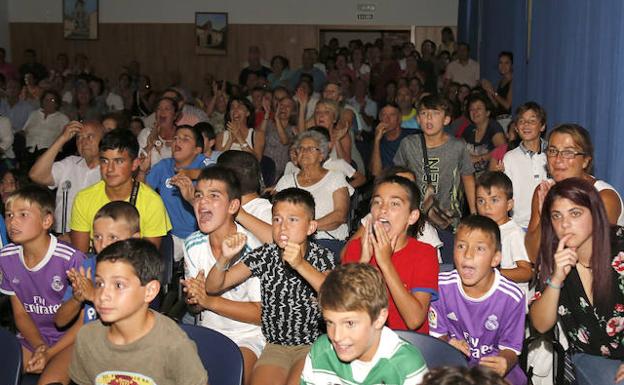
x=72 y=173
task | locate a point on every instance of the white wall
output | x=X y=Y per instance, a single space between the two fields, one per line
x=324 y=12
x=5 y=39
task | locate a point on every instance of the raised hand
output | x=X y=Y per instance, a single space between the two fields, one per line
x=542 y=190
x=380 y=130
x=185 y=185
x=367 y=240
x=383 y=245
x=70 y=130
x=292 y=254
x=302 y=97
x=82 y=285
x=565 y=260
x=232 y=245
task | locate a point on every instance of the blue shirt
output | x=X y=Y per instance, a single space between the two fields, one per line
x=89 y=311
x=180 y=211
x=3 y=232
x=18 y=114
x=389 y=148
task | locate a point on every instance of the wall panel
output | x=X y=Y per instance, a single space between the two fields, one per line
x=163 y=49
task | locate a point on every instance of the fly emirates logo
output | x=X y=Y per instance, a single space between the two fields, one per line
x=39 y=306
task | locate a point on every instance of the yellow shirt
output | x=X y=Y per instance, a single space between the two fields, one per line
x=154 y=220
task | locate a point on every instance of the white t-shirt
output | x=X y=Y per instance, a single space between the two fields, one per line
x=41 y=131
x=158 y=153
x=198 y=256
x=602 y=185
x=6 y=138
x=260 y=208
x=338 y=165
x=74 y=170
x=526 y=172
x=512 y=240
x=463 y=74
x=322 y=192
x=114 y=102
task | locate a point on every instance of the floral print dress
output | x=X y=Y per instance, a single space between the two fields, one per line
x=588 y=330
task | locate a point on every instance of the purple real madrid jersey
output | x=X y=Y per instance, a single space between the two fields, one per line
x=40 y=288
x=488 y=324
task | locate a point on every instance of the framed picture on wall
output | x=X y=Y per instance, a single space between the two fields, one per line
x=211 y=33
x=80 y=19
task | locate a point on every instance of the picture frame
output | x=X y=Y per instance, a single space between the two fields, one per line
x=211 y=30
x=81 y=19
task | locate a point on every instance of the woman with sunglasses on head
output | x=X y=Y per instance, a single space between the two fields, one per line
x=569 y=155
x=580 y=280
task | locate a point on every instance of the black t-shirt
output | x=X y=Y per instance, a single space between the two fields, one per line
x=290 y=311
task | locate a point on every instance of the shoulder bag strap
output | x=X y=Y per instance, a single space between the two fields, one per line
x=134 y=193
x=425 y=158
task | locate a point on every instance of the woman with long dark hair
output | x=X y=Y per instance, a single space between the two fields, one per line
x=581 y=281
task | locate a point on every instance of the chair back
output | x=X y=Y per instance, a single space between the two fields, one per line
x=10 y=358
x=221 y=357
x=435 y=352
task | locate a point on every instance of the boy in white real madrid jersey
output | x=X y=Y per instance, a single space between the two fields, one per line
x=32 y=273
x=358 y=348
x=234 y=312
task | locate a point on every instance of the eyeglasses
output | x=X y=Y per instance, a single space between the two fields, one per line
x=531 y=122
x=429 y=113
x=308 y=149
x=565 y=154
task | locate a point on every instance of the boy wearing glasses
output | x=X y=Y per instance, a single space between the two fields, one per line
x=525 y=165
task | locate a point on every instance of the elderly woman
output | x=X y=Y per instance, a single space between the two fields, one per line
x=569 y=155
x=312 y=149
x=45 y=124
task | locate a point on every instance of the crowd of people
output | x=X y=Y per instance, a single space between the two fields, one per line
x=308 y=214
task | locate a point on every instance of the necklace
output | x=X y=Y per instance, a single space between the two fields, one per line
x=585 y=266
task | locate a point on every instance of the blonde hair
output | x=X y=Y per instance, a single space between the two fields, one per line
x=120 y=211
x=34 y=194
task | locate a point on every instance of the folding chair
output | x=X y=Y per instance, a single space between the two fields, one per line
x=220 y=355
x=435 y=351
x=10 y=358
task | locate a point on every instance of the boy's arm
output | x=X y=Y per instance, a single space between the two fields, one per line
x=375 y=162
x=469 y=188
x=25 y=324
x=219 y=279
x=522 y=273
x=293 y=255
x=413 y=307
x=502 y=363
x=259 y=228
x=67 y=312
x=194 y=288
